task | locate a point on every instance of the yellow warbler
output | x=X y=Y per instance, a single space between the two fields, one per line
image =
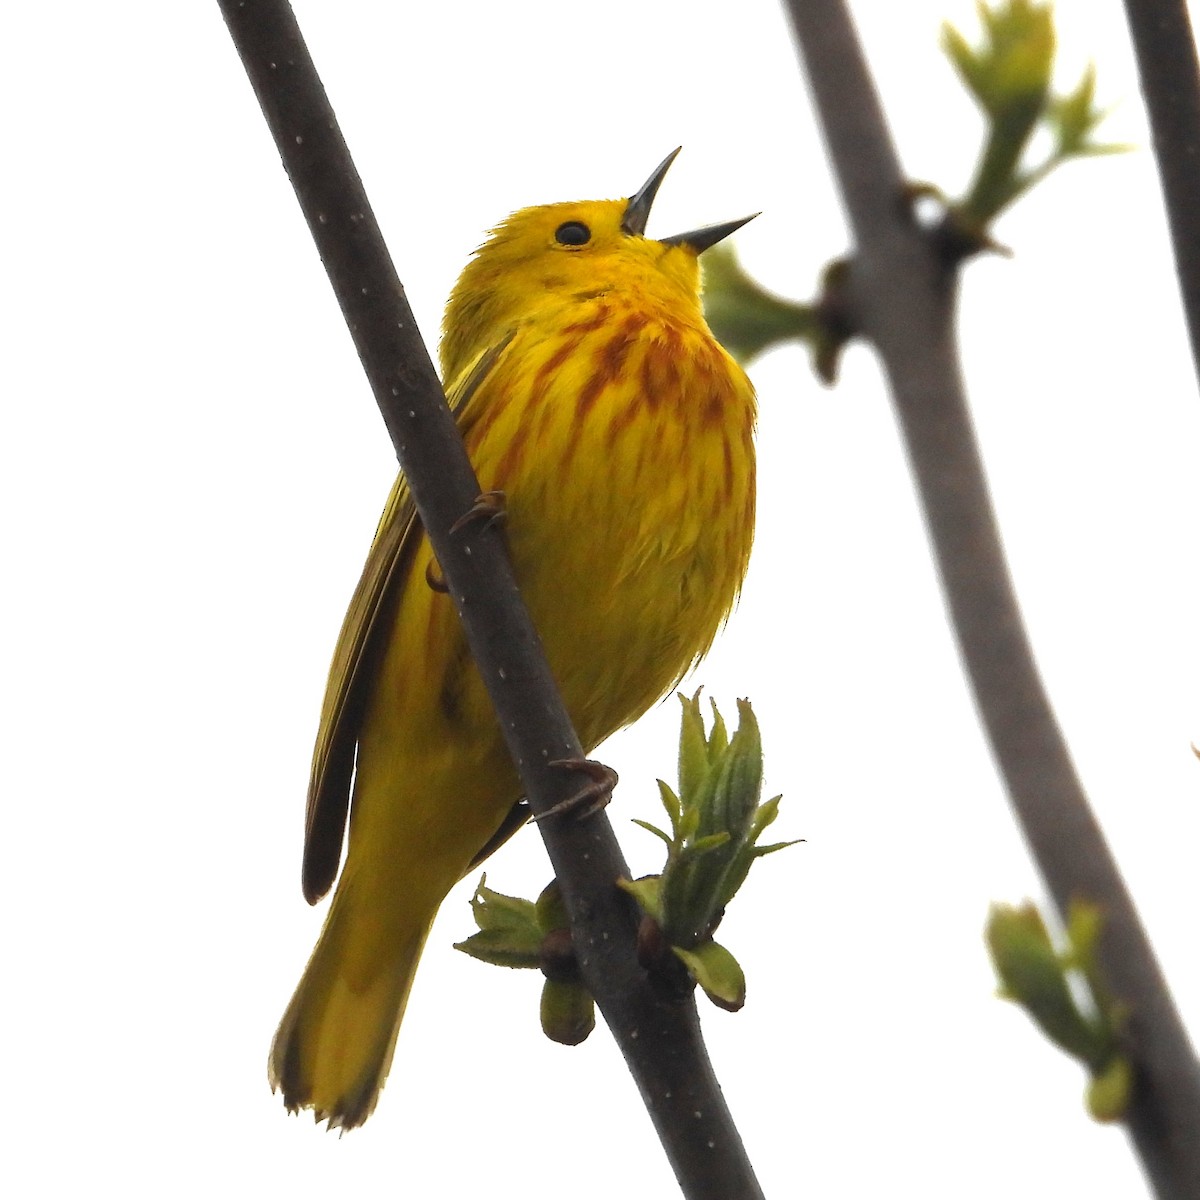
x=589 y=389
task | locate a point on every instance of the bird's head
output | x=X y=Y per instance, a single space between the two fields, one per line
x=554 y=253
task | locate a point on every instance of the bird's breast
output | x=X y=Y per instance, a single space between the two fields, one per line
x=623 y=441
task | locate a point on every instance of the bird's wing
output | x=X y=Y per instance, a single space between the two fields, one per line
x=360 y=645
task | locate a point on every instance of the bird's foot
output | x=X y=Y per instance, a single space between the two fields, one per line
x=591 y=796
x=488 y=508
x=435 y=581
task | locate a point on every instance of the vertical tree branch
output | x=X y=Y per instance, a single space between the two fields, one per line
x=903 y=299
x=660 y=1039
x=1166 y=58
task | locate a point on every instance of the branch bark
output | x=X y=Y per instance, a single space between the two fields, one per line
x=1170 y=76
x=904 y=300
x=659 y=1038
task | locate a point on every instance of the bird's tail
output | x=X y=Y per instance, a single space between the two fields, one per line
x=335 y=1042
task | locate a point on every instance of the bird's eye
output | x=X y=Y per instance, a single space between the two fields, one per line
x=572 y=233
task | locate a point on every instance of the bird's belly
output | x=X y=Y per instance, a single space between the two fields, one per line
x=628 y=523
x=627 y=576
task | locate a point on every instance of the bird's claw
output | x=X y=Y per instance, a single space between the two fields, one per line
x=435 y=581
x=488 y=508
x=591 y=797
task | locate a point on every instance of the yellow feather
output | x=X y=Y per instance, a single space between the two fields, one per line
x=589 y=389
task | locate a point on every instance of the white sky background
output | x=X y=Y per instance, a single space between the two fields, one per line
x=192 y=467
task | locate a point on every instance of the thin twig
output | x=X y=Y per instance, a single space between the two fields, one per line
x=904 y=302
x=1166 y=58
x=660 y=1039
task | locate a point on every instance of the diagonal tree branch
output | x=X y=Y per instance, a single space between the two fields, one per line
x=1166 y=58
x=903 y=299
x=659 y=1038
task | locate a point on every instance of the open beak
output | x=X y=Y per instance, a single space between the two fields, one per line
x=637 y=212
